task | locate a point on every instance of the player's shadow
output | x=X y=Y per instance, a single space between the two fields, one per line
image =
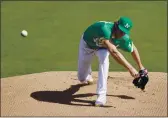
x=63 y=97
x=122 y=96
x=67 y=96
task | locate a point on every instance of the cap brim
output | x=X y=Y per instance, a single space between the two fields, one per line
x=123 y=29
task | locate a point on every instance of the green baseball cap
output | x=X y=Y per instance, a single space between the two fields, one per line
x=125 y=24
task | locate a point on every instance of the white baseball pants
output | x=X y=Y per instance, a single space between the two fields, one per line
x=84 y=65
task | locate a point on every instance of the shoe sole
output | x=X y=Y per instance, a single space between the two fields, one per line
x=99 y=105
x=88 y=82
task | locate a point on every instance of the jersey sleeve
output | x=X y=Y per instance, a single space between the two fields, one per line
x=127 y=44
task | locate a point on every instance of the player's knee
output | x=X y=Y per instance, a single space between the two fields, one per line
x=81 y=77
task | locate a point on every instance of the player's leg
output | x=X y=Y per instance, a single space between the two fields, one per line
x=84 y=62
x=103 y=56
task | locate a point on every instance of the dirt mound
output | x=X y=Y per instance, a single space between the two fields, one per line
x=60 y=94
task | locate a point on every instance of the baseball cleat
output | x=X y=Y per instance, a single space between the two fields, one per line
x=89 y=82
x=101 y=100
x=99 y=104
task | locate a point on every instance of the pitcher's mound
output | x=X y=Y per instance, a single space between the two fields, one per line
x=60 y=94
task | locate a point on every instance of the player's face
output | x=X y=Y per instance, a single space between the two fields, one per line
x=119 y=33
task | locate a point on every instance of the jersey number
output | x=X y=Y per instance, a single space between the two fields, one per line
x=98 y=42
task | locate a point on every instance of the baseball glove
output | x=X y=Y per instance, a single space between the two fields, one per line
x=142 y=80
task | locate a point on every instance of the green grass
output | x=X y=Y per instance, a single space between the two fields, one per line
x=55 y=29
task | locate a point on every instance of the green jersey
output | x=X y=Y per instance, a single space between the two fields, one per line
x=98 y=31
x=124 y=43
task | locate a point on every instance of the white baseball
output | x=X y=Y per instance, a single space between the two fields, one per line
x=24 y=33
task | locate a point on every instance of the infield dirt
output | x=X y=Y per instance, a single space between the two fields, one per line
x=60 y=94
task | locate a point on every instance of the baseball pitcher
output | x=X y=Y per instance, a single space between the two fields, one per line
x=103 y=39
